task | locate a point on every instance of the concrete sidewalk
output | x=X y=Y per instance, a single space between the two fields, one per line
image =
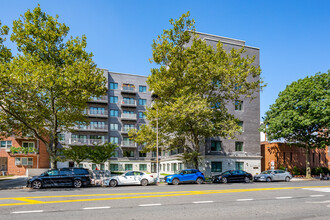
x=13 y=182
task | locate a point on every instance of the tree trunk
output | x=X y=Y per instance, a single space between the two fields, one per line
x=308 y=165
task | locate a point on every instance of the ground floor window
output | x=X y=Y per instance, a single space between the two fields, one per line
x=128 y=167
x=168 y=167
x=114 y=167
x=128 y=153
x=141 y=154
x=143 y=167
x=93 y=166
x=102 y=167
x=216 y=166
x=180 y=166
x=238 y=146
x=239 y=165
x=23 y=161
x=174 y=167
x=81 y=165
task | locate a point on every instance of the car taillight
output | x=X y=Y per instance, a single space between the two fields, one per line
x=151 y=176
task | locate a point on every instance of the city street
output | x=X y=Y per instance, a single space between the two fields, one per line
x=279 y=200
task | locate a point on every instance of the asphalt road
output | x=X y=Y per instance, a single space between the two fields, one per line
x=279 y=200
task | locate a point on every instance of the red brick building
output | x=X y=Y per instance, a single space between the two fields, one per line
x=281 y=154
x=17 y=154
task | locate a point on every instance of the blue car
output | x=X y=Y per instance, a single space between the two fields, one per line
x=185 y=176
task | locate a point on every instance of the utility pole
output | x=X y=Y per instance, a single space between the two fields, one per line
x=157 y=160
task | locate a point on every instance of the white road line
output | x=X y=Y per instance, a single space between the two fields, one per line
x=284 y=197
x=242 y=200
x=319 y=202
x=316 y=195
x=24 y=212
x=156 y=204
x=318 y=189
x=104 y=207
x=199 y=202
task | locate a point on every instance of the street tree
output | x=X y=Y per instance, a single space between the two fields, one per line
x=45 y=87
x=75 y=153
x=99 y=154
x=194 y=83
x=301 y=115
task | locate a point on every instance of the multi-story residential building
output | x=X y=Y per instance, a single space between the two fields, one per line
x=123 y=109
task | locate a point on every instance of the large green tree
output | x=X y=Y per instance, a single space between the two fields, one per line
x=45 y=87
x=194 y=83
x=301 y=115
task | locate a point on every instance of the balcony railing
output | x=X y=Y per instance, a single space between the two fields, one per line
x=128 y=89
x=126 y=129
x=97 y=113
x=83 y=141
x=128 y=144
x=103 y=99
x=92 y=128
x=129 y=103
x=23 y=150
x=127 y=116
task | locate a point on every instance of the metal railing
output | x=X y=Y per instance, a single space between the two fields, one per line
x=128 y=144
x=94 y=112
x=99 y=99
x=128 y=102
x=126 y=129
x=93 y=128
x=128 y=89
x=128 y=116
x=84 y=141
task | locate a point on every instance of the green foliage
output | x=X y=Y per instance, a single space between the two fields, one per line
x=101 y=153
x=298 y=171
x=5 y=53
x=319 y=170
x=23 y=150
x=282 y=167
x=75 y=153
x=301 y=114
x=45 y=88
x=194 y=83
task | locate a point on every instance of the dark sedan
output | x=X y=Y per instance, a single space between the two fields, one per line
x=76 y=177
x=232 y=176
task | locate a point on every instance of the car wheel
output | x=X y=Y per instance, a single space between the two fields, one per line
x=175 y=181
x=224 y=180
x=268 y=179
x=287 y=179
x=113 y=183
x=36 y=184
x=144 y=182
x=247 y=179
x=77 y=183
x=199 y=181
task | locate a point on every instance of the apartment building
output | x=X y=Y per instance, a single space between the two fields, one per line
x=123 y=108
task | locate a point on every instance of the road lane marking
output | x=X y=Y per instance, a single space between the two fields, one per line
x=104 y=207
x=242 y=200
x=29 y=201
x=285 y=197
x=25 y=212
x=200 y=202
x=145 y=205
x=316 y=195
x=323 y=189
x=320 y=202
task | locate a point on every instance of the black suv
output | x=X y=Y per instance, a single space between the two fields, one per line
x=76 y=177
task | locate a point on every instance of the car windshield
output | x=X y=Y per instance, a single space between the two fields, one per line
x=179 y=171
x=267 y=172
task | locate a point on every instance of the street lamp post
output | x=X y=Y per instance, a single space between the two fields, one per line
x=157 y=160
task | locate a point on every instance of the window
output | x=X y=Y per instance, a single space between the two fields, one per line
x=128 y=101
x=238 y=105
x=97 y=124
x=114 y=127
x=114 y=140
x=283 y=157
x=153 y=154
x=238 y=86
x=81 y=165
x=216 y=166
x=114 y=167
x=142 y=115
x=217 y=83
x=290 y=156
x=168 y=167
x=61 y=137
x=143 y=167
x=142 y=89
x=128 y=153
x=113 y=113
x=28 y=144
x=128 y=167
x=52 y=172
x=319 y=157
x=142 y=102
x=113 y=85
x=93 y=166
x=238 y=146
x=216 y=145
x=141 y=154
x=66 y=172
x=239 y=165
x=240 y=123
x=181 y=166
x=102 y=167
x=113 y=99
x=115 y=154
x=5 y=144
x=96 y=111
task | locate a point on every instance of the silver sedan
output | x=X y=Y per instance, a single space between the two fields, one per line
x=273 y=175
x=130 y=178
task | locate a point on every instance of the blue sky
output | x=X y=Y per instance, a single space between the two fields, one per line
x=293 y=36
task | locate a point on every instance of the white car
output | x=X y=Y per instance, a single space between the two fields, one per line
x=130 y=178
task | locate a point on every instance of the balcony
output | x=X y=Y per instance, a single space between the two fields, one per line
x=101 y=99
x=128 y=89
x=23 y=151
x=83 y=141
x=131 y=144
x=128 y=103
x=96 y=128
x=127 y=116
x=125 y=130
x=97 y=113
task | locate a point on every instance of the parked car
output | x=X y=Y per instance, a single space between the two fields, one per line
x=232 y=176
x=76 y=177
x=185 y=176
x=273 y=175
x=130 y=178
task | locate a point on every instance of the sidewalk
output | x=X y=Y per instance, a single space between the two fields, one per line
x=13 y=182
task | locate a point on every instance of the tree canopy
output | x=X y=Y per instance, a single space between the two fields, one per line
x=301 y=114
x=45 y=87
x=194 y=82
